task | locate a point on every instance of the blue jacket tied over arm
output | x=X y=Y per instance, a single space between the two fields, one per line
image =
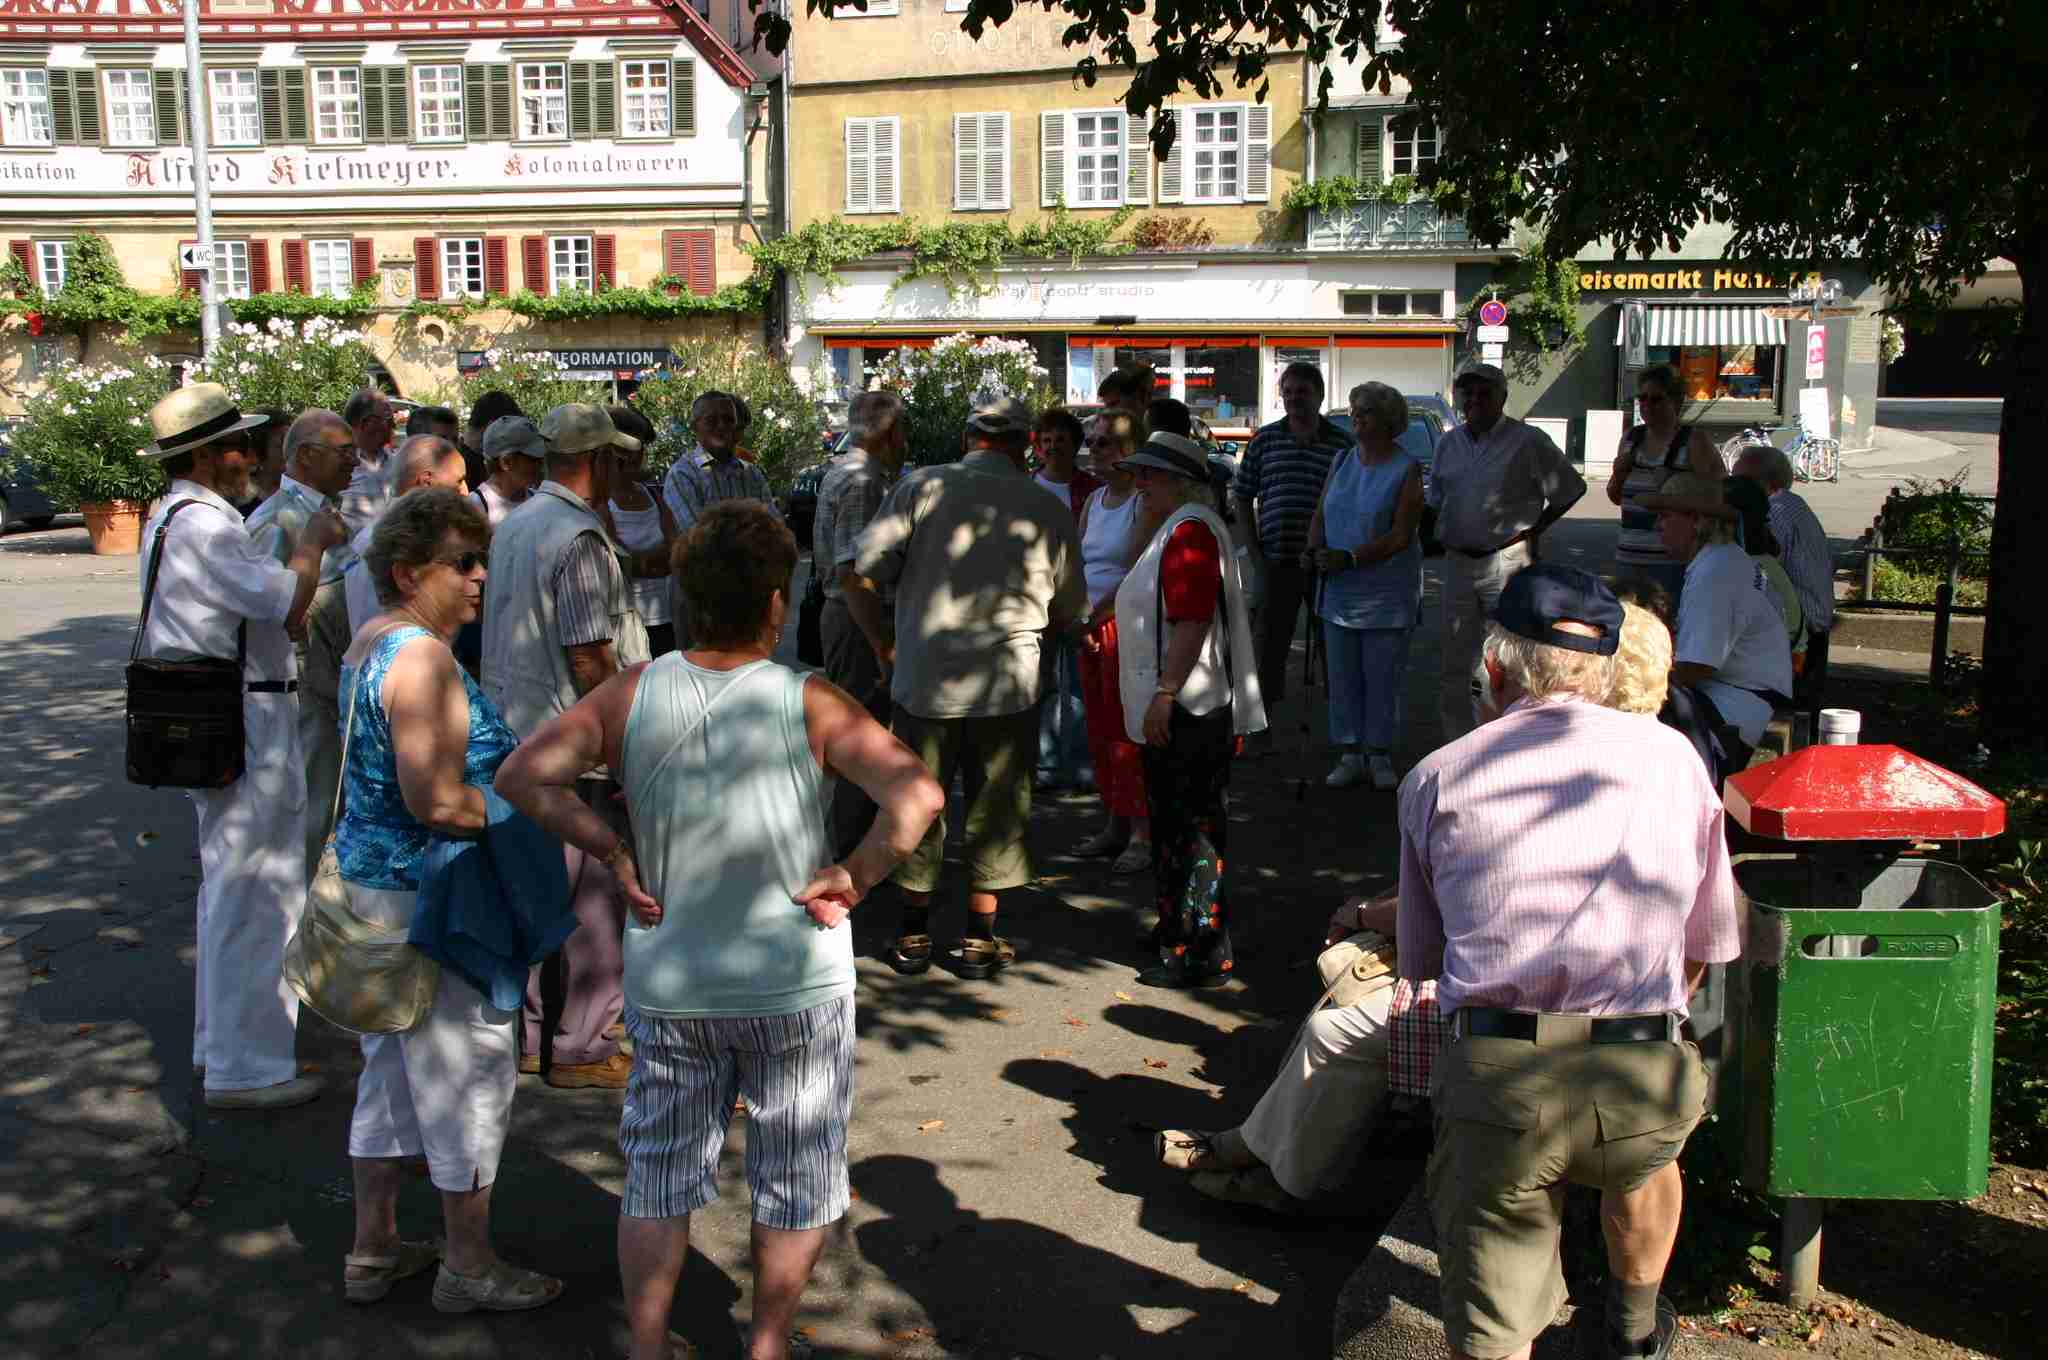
x=492 y=907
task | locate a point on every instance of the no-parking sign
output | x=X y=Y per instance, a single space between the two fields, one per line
x=1493 y=312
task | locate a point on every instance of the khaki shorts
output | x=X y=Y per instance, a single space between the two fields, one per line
x=1515 y=1122
x=995 y=757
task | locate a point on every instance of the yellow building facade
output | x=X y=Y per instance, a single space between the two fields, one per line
x=417 y=153
x=897 y=113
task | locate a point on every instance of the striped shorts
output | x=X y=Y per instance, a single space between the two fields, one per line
x=795 y=1073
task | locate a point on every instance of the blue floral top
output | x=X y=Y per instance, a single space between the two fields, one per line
x=378 y=843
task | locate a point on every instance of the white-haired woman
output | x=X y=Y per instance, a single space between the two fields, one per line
x=1362 y=540
x=1190 y=688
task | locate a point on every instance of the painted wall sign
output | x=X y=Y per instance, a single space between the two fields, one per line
x=1676 y=279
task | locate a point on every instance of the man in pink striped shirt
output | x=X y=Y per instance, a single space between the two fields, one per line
x=1565 y=878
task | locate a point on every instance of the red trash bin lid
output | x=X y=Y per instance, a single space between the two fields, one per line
x=1860 y=793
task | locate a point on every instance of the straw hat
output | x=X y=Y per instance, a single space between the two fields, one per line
x=195 y=414
x=1688 y=493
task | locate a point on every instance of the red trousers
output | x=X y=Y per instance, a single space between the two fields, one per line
x=1119 y=767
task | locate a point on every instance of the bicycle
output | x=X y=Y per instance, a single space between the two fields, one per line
x=1813 y=457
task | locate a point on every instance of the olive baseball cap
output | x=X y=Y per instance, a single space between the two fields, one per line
x=579 y=427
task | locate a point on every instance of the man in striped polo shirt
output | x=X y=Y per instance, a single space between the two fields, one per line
x=1278 y=486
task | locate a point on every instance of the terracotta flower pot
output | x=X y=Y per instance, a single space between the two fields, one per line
x=115 y=526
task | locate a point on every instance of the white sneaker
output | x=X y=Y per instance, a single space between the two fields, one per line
x=1384 y=777
x=1350 y=770
x=297 y=1091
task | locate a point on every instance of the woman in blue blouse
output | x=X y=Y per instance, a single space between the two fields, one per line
x=1363 y=541
x=421 y=744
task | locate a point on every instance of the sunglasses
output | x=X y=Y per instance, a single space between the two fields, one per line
x=466 y=562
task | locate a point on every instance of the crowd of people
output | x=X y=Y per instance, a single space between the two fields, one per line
x=496 y=632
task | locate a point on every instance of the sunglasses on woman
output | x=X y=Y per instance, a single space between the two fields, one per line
x=466 y=562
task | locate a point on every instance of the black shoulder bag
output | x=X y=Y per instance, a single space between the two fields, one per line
x=184 y=717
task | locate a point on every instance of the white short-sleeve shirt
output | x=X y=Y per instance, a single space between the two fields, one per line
x=1728 y=621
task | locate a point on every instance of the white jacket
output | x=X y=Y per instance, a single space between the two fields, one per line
x=1225 y=672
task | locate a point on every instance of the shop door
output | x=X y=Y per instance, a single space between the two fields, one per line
x=1414 y=368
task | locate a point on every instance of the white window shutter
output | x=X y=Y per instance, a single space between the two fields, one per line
x=1170 y=190
x=966 y=160
x=888 y=164
x=1052 y=158
x=1138 y=162
x=860 y=159
x=1258 y=140
x=995 y=160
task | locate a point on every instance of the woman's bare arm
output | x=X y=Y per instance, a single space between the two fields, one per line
x=428 y=710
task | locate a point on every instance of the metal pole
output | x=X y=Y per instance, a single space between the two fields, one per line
x=202 y=195
x=1800 y=1247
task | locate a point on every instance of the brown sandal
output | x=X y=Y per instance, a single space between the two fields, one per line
x=911 y=954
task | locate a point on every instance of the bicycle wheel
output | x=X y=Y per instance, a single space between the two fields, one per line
x=1825 y=462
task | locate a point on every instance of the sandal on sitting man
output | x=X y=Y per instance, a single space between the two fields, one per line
x=984 y=956
x=501 y=1289
x=910 y=954
x=366 y=1279
x=1224 y=1150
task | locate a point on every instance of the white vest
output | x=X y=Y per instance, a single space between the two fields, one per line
x=1141 y=639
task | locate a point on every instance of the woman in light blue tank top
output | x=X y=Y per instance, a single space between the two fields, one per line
x=739 y=961
x=1363 y=541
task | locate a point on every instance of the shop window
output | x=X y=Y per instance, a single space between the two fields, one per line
x=437 y=103
x=131 y=109
x=543 y=101
x=643 y=94
x=25 y=106
x=330 y=267
x=1221 y=383
x=237 y=108
x=337 y=104
x=53 y=266
x=1723 y=372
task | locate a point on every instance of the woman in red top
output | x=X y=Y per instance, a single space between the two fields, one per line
x=1187 y=730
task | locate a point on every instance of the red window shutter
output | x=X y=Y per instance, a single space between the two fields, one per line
x=364 y=261
x=533 y=253
x=188 y=279
x=296 y=276
x=259 y=266
x=426 y=266
x=604 y=260
x=690 y=256
x=25 y=251
x=497 y=269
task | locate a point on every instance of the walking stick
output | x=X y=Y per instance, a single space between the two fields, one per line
x=1309 y=670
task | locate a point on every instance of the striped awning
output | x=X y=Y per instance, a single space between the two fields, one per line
x=1738 y=324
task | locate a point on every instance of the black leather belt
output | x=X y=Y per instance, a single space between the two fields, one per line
x=273 y=687
x=1488 y=1022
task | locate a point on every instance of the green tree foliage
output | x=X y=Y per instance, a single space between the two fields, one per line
x=284 y=367
x=784 y=431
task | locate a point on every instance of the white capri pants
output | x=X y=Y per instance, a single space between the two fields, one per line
x=1310 y=1125
x=443 y=1087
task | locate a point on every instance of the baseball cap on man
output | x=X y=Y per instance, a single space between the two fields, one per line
x=513 y=434
x=1000 y=415
x=1544 y=594
x=579 y=427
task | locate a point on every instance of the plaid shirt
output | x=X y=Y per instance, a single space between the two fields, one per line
x=1416 y=1031
x=691 y=487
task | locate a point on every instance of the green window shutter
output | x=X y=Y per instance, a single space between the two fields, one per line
x=579 y=100
x=271 y=86
x=295 y=129
x=682 y=99
x=501 y=103
x=476 y=106
x=170 y=106
x=1371 y=141
x=372 y=94
x=63 y=119
x=604 y=99
x=85 y=88
x=398 y=103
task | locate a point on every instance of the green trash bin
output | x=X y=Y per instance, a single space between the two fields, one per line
x=1864 y=1052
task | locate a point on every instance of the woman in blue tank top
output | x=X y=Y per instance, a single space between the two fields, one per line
x=739 y=962
x=1363 y=542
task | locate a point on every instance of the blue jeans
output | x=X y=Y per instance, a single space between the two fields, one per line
x=1367 y=668
x=1063 y=760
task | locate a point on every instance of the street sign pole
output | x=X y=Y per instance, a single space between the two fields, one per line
x=202 y=199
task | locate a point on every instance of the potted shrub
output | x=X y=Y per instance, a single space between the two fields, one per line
x=80 y=434
x=280 y=366
x=941 y=386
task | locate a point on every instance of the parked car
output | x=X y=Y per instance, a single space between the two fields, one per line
x=22 y=503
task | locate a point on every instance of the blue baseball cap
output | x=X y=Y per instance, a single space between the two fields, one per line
x=1544 y=594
